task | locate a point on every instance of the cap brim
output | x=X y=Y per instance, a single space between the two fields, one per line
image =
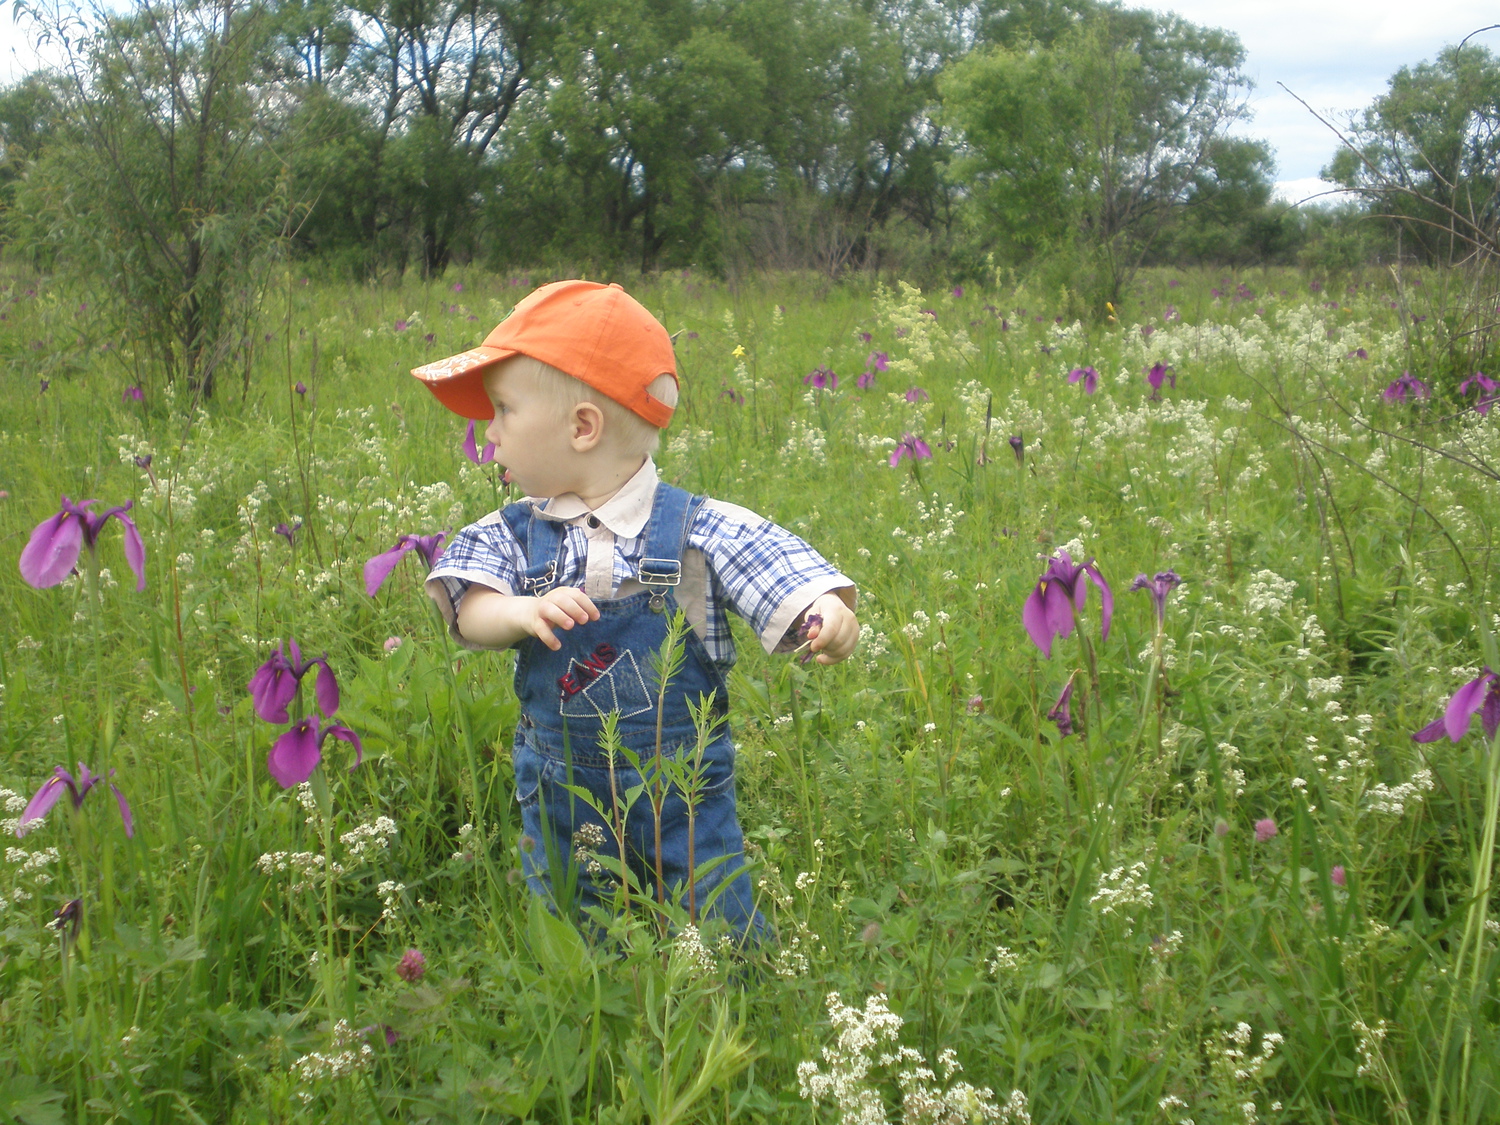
x=458 y=381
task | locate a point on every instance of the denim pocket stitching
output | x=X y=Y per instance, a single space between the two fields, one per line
x=608 y=687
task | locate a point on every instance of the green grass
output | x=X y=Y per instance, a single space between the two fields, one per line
x=911 y=811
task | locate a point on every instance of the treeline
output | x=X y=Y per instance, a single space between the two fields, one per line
x=183 y=147
x=411 y=134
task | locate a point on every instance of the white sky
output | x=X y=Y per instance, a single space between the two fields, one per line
x=1336 y=54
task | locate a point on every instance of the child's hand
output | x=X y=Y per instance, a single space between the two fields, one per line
x=834 y=638
x=561 y=606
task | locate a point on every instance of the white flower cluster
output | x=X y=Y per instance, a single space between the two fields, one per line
x=1236 y=1069
x=34 y=864
x=1370 y=1039
x=11 y=802
x=368 y=839
x=1268 y=593
x=870 y=1039
x=1392 y=801
x=349 y=1055
x=1317 y=688
x=305 y=867
x=805 y=441
x=587 y=842
x=1124 y=892
x=1004 y=961
x=689 y=949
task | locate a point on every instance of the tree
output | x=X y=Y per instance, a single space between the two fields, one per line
x=162 y=189
x=1426 y=154
x=1089 y=144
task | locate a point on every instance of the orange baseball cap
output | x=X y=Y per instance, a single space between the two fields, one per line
x=599 y=334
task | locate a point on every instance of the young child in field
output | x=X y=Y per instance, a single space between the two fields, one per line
x=583 y=575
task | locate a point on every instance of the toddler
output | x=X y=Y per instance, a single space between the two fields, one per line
x=583 y=575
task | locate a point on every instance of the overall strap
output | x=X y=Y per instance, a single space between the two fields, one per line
x=672 y=511
x=542 y=542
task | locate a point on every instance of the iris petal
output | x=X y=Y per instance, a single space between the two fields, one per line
x=1059 y=610
x=1106 y=597
x=41 y=804
x=124 y=811
x=1034 y=617
x=1466 y=700
x=344 y=734
x=52 y=551
x=379 y=568
x=1432 y=731
x=295 y=754
x=326 y=689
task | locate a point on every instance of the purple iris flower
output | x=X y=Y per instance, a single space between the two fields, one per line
x=1459 y=716
x=297 y=752
x=1358 y=353
x=958 y=290
x=1018 y=445
x=1487 y=391
x=1147 y=330
x=1088 y=376
x=917 y=394
x=1158 y=373
x=865 y=381
x=379 y=568
x=1407 y=386
x=1158 y=587
x=734 y=396
x=1048 y=612
x=402 y=326
x=457 y=287
x=1062 y=713
x=52 y=552
x=1171 y=314
x=288 y=533
x=133 y=394
x=865 y=337
x=822 y=377
x=910 y=446
x=471 y=448
x=45 y=384
x=275 y=684
x=878 y=361
x=77 y=788
x=301 y=387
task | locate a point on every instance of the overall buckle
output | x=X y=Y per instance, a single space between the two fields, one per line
x=659 y=575
x=544 y=582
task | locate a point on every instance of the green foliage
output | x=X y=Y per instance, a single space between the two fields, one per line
x=160 y=193
x=1065 y=915
x=1424 y=154
x=1088 y=144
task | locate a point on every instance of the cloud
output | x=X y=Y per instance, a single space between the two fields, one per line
x=1337 y=55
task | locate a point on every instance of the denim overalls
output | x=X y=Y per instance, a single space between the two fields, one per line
x=605 y=666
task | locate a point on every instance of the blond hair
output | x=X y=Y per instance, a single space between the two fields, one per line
x=624 y=429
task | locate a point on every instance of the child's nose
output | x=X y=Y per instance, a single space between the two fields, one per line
x=491 y=431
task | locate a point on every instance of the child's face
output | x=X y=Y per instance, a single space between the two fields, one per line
x=530 y=434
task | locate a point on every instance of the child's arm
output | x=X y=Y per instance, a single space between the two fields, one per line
x=835 y=638
x=494 y=620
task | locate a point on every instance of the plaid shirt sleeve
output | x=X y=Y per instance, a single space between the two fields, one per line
x=485 y=553
x=763 y=572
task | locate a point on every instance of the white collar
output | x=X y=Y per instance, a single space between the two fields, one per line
x=625 y=513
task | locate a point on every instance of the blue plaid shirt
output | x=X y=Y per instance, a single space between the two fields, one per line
x=743 y=563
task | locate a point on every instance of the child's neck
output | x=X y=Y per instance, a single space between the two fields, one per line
x=600 y=490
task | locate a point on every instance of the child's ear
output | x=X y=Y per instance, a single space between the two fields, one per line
x=585 y=426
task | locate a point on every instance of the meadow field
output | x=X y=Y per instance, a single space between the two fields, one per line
x=1188 y=865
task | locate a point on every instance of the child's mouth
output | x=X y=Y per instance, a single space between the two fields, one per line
x=505 y=477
